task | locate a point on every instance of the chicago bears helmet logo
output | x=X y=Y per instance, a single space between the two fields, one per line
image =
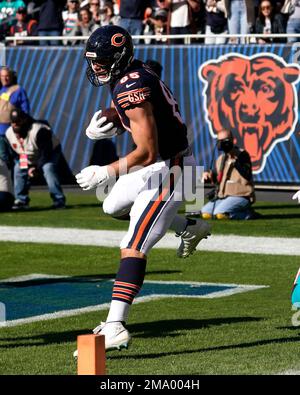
x=255 y=97
x=118 y=40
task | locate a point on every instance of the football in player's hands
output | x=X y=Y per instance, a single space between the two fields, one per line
x=112 y=116
x=104 y=124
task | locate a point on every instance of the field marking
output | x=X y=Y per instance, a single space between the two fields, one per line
x=29 y=277
x=239 y=288
x=109 y=238
x=289 y=373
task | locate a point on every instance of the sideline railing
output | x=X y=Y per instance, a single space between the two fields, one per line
x=187 y=38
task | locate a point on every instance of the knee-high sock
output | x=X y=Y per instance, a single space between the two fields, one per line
x=128 y=283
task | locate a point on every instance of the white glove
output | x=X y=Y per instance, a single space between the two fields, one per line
x=98 y=129
x=296 y=196
x=92 y=176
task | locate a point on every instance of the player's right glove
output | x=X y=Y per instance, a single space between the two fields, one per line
x=297 y=196
x=92 y=176
x=99 y=129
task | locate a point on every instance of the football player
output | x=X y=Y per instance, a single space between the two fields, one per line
x=150 y=113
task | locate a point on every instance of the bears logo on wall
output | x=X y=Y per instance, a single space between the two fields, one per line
x=255 y=97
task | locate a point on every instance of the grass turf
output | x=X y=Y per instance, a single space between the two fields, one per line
x=249 y=333
x=84 y=211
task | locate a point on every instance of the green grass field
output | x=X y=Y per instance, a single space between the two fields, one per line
x=247 y=333
x=84 y=211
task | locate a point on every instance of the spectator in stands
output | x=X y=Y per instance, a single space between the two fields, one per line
x=85 y=4
x=107 y=16
x=241 y=17
x=132 y=14
x=8 y=11
x=35 y=147
x=9 y=8
x=70 y=19
x=50 y=20
x=86 y=25
x=6 y=189
x=12 y=96
x=277 y=4
x=116 y=8
x=268 y=22
x=292 y=8
x=283 y=10
x=24 y=26
x=234 y=192
x=95 y=10
x=180 y=16
x=216 y=22
x=33 y=8
x=156 y=24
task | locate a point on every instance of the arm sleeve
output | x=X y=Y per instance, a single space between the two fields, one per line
x=45 y=146
x=243 y=165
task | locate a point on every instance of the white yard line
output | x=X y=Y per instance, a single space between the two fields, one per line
x=110 y=238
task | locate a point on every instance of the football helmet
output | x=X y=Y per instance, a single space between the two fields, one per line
x=109 y=51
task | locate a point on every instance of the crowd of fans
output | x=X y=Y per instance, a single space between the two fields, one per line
x=69 y=18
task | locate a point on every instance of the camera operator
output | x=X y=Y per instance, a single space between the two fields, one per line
x=234 y=193
x=34 y=147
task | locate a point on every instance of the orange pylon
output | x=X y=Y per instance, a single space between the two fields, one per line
x=91 y=355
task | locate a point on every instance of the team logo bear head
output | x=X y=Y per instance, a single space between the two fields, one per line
x=254 y=97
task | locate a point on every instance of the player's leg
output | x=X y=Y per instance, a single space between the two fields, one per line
x=116 y=203
x=128 y=282
x=131 y=273
x=124 y=192
x=179 y=187
x=151 y=215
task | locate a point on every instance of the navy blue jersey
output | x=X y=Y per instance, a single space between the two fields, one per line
x=140 y=84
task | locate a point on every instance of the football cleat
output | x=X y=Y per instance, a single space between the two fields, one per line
x=116 y=336
x=195 y=231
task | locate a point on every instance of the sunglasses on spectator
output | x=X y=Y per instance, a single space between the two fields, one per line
x=95 y=4
x=267 y=7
